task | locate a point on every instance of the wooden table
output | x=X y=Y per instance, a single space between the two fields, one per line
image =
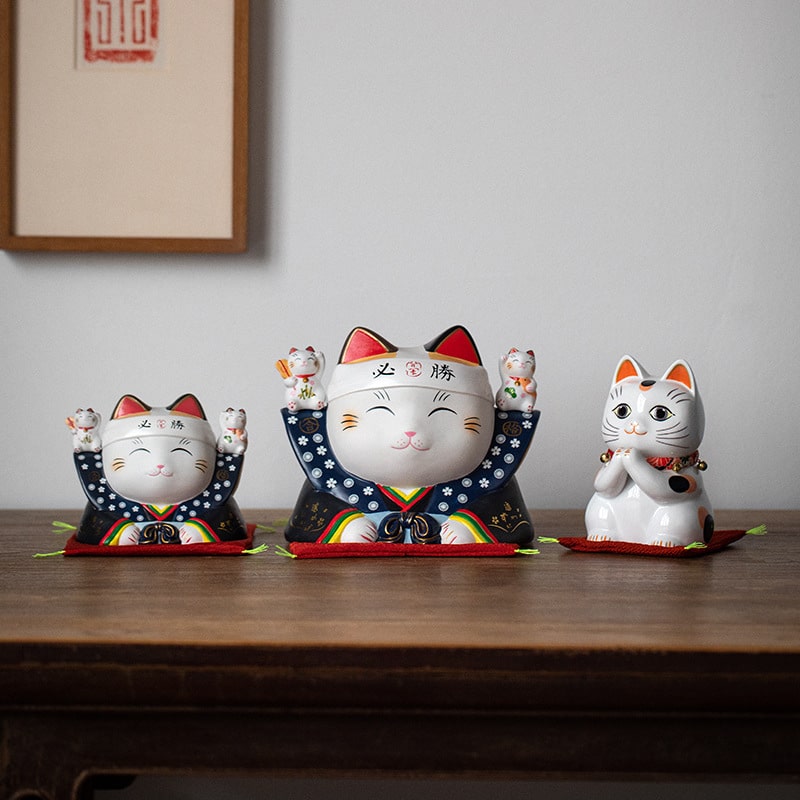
x=557 y=664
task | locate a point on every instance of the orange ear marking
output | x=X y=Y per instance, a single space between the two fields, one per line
x=680 y=374
x=626 y=369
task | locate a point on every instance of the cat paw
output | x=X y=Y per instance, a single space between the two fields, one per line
x=361 y=530
x=129 y=536
x=599 y=537
x=453 y=532
x=190 y=536
x=664 y=543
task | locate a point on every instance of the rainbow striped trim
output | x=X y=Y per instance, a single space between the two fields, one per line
x=478 y=530
x=405 y=499
x=205 y=530
x=161 y=512
x=333 y=533
x=114 y=533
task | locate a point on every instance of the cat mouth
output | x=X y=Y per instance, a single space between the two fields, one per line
x=159 y=473
x=635 y=432
x=411 y=445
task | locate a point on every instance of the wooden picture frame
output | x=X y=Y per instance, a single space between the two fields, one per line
x=111 y=141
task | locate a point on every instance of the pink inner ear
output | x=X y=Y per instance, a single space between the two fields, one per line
x=188 y=405
x=128 y=406
x=362 y=344
x=458 y=344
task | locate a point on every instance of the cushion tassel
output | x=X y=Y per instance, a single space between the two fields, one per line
x=62 y=527
x=524 y=551
x=262 y=548
x=759 y=530
x=47 y=555
x=282 y=551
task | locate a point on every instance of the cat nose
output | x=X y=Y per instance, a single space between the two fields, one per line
x=410 y=434
x=159 y=466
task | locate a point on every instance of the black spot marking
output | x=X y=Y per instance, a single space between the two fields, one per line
x=648 y=383
x=679 y=484
x=708 y=528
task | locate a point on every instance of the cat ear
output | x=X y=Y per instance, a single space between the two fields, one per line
x=628 y=367
x=363 y=343
x=189 y=405
x=128 y=406
x=681 y=372
x=456 y=342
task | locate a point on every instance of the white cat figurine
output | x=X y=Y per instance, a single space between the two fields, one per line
x=650 y=488
x=410 y=449
x=159 y=479
x=233 y=436
x=518 y=389
x=301 y=373
x=85 y=427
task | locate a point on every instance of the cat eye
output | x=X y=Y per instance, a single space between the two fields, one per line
x=381 y=408
x=140 y=450
x=441 y=408
x=181 y=450
x=622 y=410
x=660 y=413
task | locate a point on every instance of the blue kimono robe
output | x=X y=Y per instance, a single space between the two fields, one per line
x=488 y=500
x=214 y=513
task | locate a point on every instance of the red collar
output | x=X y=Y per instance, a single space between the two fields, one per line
x=674 y=463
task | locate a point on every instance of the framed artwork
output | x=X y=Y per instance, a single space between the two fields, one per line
x=123 y=125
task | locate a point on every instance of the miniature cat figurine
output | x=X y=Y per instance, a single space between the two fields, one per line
x=233 y=438
x=159 y=479
x=410 y=449
x=302 y=372
x=650 y=488
x=85 y=427
x=518 y=389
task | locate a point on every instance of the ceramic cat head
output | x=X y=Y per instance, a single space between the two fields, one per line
x=410 y=416
x=658 y=417
x=158 y=455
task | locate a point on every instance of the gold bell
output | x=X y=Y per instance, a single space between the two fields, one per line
x=702 y=466
x=605 y=458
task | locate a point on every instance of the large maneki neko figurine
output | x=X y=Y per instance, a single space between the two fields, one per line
x=405 y=451
x=159 y=480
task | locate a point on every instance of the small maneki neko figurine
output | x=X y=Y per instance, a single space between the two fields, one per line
x=649 y=489
x=407 y=446
x=159 y=475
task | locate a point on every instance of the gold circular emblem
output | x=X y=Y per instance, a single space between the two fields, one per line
x=309 y=425
x=512 y=428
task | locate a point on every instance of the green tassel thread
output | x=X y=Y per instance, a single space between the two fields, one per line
x=262 y=548
x=62 y=527
x=695 y=546
x=282 y=551
x=527 y=552
x=547 y=540
x=47 y=555
x=760 y=530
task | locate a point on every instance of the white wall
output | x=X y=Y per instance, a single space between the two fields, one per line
x=585 y=178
